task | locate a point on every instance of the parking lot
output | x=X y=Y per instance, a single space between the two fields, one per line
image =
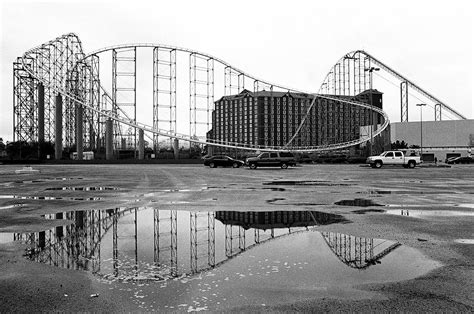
x=375 y=203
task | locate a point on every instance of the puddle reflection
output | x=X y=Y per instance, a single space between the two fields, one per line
x=359 y=202
x=146 y=244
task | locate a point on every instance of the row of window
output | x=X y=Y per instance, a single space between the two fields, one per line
x=244 y=115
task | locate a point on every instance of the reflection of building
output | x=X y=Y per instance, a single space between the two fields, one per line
x=272 y=118
x=276 y=219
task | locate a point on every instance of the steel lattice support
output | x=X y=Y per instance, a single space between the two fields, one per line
x=353 y=251
x=94 y=94
x=45 y=72
x=346 y=75
x=261 y=86
x=166 y=240
x=164 y=92
x=124 y=92
x=24 y=103
x=110 y=107
x=367 y=65
x=234 y=81
x=230 y=248
x=404 y=101
x=94 y=218
x=359 y=74
x=174 y=244
x=202 y=235
x=338 y=79
x=52 y=64
x=70 y=108
x=74 y=246
x=156 y=237
x=63 y=57
x=201 y=92
x=228 y=240
x=115 y=241
x=89 y=92
x=211 y=237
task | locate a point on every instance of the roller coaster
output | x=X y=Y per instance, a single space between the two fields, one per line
x=73 y=99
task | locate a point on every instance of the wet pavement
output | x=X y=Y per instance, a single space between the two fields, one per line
x=216 y=260
x=189 y=238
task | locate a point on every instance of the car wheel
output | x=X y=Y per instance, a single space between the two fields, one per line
x=411 y=164
x=378 y=164
x=253 y=166
x=284 y=166
x=235 y=165
x=212 y=165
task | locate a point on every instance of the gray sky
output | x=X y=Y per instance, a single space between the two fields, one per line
x=292 y=43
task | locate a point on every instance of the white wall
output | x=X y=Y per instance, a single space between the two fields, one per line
x=451 y=133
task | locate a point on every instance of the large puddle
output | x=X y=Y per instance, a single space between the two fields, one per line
x=217 y=260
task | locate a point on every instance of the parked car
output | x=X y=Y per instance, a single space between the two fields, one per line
x=222 y=161
x=461 y=160
x=273 y=159
x=393 y=158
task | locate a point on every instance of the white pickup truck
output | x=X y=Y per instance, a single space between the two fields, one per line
x=394 y=157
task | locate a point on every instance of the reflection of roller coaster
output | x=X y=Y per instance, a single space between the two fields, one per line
x=74 y=246
x=78 y=246
x=60 y=96
x=357 y=252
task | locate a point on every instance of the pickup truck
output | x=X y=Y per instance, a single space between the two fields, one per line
x=393 y=158
x=273 y=159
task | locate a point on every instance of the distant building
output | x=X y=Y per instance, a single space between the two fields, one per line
x=268 y=118
x=441 y=139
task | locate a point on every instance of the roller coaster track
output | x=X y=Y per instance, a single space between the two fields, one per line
x=410 y=83
x=78 y=57
x=361 y=54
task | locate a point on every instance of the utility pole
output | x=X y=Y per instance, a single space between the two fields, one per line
x=370 y=70
x=421 y=130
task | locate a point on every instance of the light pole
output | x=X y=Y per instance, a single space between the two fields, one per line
x=421 y=130
x=370 y=70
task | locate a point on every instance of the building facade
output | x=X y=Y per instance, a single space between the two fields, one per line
x=441 y=139
x=268 y=118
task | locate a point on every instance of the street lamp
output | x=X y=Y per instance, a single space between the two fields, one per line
x=370 y=70
x=421 y=130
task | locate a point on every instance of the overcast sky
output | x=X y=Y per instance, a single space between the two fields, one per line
x=292 y=43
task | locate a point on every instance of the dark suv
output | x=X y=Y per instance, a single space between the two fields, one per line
x=272 y=159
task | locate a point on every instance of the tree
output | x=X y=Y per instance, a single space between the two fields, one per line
x=399 y=145
x=3 y=153
x=23 y=150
